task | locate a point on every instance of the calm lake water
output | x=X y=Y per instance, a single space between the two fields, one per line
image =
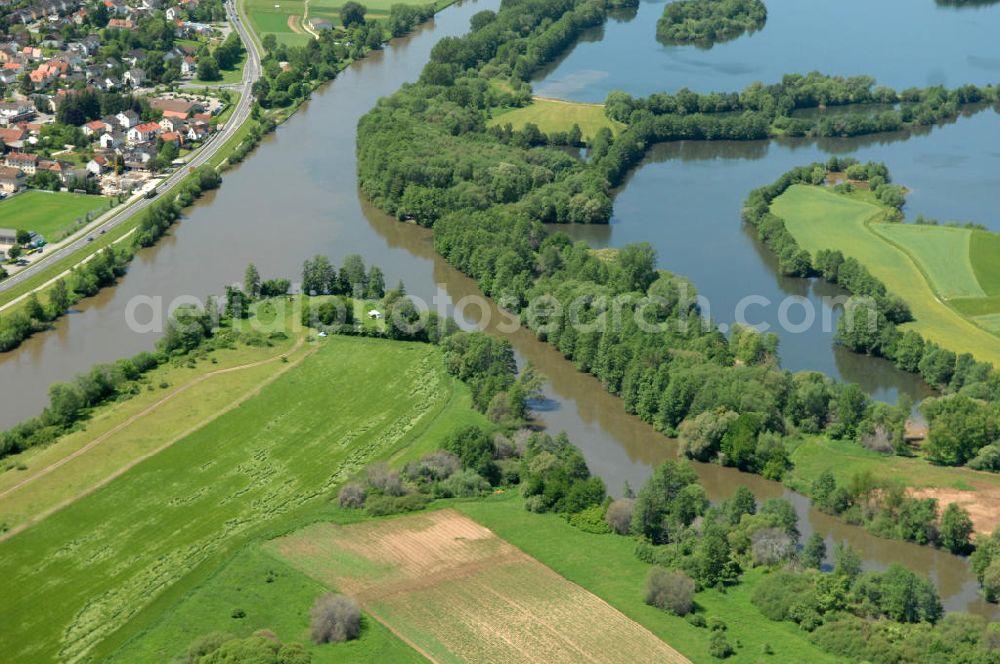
x=902 y=43
x=297 y=196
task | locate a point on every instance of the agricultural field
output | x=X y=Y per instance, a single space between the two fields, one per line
x=942 y=253
x=104 y=559
x=606 y=565
x=916 y=262
x=556 y=115
x=50 y=214
x=457 y=592
x=277 y=17
x=287 y=19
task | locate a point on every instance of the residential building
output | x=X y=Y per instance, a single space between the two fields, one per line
x=142 y=133
x=26 y=162
x=127 y=119
x=11 y=180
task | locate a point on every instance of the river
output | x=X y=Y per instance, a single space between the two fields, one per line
x=297 y=196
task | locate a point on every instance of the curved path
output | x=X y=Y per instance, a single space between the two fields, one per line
x=251 y=72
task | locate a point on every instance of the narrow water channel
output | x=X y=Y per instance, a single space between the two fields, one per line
x=297 y=196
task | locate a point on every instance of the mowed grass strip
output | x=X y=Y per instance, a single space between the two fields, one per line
x=85 y=571
x=606 y=566
x=176 y=400
x=49 y=213
x=984 y=253
x=458 y=593
x=821 y=219
x=555 y=115
x=942 y=253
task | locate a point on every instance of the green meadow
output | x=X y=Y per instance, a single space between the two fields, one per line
x=272 y=595
x=925 y=265
x=551 y=115
x=272 y=17
x=122 y=553
x=49 y=213
x=941 y=252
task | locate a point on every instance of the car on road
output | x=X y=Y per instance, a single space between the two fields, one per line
x=90 y=238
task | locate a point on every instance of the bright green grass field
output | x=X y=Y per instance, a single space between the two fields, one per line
x=984 y=252
x=268 y=19
x=556 y=115
x=48 y=213
x=816 y=454
x=821 y=219
x=273 y=596
x=942 y=253
x=606 y=566
x=87 y=570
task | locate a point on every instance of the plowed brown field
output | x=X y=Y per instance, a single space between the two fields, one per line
x=458 y=593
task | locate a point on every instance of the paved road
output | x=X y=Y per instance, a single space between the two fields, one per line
x=251 y=72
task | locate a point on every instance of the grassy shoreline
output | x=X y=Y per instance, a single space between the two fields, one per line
x=822 y=219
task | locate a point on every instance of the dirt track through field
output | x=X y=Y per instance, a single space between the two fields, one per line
x=454 y=591
x=139 y=416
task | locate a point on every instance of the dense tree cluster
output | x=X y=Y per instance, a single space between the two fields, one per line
x=82 y=106
x=424 y=152
x=551 y=472
x=888 y=510
x=885 y=109
x=289 y=73
x=705 y=22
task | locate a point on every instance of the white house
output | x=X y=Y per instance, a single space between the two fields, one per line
x=111 y=140
x=127 y=119
x=142 y=133
x=134 y=77
x=97 y=165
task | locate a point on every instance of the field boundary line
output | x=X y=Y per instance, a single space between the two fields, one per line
x=938 y=297
x=141 y=414
x=134 y=462
x=402 y=637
